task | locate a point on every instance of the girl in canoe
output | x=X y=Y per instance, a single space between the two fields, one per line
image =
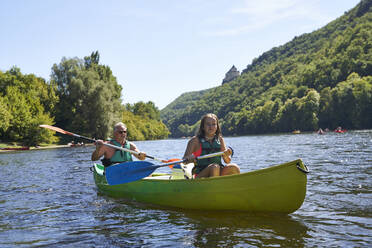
x=209 y=140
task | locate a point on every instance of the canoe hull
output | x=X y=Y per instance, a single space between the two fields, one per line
x=280 y=188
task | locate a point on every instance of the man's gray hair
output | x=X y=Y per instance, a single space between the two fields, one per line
x=119 y=124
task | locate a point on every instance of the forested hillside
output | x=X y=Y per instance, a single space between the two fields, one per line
x=321 y=79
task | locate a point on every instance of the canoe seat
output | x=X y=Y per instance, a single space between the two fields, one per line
x=179 y=171
x=182 y=171
x=163 y=177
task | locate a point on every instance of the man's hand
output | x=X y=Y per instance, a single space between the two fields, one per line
x=97 y=152
x=141 y=155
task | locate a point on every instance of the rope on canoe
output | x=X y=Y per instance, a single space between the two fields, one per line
x=304 y=170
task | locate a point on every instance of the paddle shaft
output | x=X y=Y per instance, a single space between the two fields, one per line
x=132 y=171
x=57 y=129
x=197 y=158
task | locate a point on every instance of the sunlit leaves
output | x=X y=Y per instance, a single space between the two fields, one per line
x=143 y=128
x=5 y=115
x=25 y=103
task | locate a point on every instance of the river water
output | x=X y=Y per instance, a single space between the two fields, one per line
x=48 y=199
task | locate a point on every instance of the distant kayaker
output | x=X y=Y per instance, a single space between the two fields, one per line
x=340 y=130
x=209 y=140
x=111 y=155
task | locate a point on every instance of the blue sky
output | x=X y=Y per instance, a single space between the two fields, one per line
x=157 y=49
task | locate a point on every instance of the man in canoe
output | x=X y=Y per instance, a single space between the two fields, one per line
x=111 y=155
x=209 y=140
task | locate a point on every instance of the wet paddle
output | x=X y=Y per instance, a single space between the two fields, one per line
x=133 y=171
x=60 y=130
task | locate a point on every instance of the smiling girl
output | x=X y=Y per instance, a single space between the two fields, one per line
x=209 y=140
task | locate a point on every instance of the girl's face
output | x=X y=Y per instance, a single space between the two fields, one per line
x=210 y=126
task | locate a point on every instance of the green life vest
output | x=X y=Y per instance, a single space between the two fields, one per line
x=119 y=155
x=208 y=148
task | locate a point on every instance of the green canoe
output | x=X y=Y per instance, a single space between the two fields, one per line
x=280 y=188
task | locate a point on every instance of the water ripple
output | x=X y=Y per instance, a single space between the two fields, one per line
x=48 y=198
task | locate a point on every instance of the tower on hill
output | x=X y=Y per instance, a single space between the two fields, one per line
x=231 y=75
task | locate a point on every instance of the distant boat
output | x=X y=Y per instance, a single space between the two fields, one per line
x=340 y=131
x=296 y=131
x=15 y=148
x=76 y=144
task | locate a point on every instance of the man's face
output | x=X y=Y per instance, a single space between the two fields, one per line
x=120 y=133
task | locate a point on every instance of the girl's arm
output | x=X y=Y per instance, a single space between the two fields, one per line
x=227 y=155
x=192 y=146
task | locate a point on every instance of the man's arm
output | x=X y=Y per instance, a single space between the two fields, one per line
x=99 y=151
x=141 y=155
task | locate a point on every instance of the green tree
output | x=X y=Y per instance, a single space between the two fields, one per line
x=262 y=117
x=5 y=116
x=325 y=110
x=143 y=128
x=89 y=96
x=286 y=118
x=307 y=111
x=362 y=92
x=25 y=99
x=343 y=103
x=146 y=110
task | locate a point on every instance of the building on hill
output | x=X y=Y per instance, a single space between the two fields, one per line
x=231 y=75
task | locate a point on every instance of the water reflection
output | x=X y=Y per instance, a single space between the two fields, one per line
x=213 y=229
x=137 y=222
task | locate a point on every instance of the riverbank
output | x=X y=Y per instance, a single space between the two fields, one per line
x=12 y=147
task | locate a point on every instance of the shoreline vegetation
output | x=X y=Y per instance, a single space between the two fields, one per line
x=17 y=146
x=82 y=95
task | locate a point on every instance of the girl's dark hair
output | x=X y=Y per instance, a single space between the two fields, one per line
x=201 y=131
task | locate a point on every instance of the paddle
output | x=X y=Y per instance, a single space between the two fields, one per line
x=133 y=171
x=60 y=130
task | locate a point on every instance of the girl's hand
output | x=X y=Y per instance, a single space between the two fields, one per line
x=227 y=152
x=189 y=159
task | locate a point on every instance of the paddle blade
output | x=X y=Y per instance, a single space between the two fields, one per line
x=128 y=172
x=57 y=129
x=172 y=160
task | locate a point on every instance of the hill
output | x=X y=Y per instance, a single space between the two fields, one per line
x=320 y=79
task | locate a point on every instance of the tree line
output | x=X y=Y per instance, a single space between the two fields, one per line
x=321 y=79
x=82 y=96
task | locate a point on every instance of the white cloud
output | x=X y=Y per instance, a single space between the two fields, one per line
x=257 y=14
x=259 y=8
